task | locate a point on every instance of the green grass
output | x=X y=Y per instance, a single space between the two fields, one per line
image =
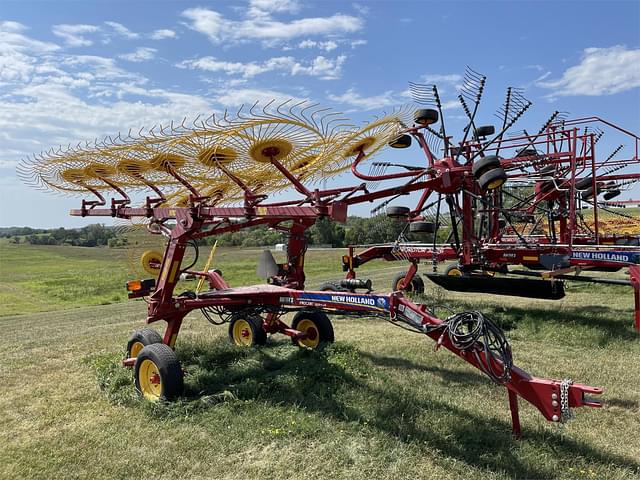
x=35 y=278
x=379 y=403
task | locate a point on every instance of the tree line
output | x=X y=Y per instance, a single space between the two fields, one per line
x=356 y=230
x=95 y=235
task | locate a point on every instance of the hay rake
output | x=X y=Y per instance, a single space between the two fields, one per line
x=512 y=199
x=216 y=176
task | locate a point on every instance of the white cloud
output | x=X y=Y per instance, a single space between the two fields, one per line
x=357 y=43
x=16 y=50
x=602 y=71
x=163 y=34
x=73 y=35
x=140 y=54
x=325 y=68
x=122 y=30
x=248 y=96
x=51 y=98
x=354 y=99
x=264 y=27
x=327 y=46
x=441 y=79
x=260 y=8
x=14 y=40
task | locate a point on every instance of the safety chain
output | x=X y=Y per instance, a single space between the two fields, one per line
x=565 y=410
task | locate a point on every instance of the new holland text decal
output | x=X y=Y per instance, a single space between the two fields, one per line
x=622 y=257
x=373 y=302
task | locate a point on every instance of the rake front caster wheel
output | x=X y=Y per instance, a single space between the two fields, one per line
x=140 y=339
x=247 y=332
x=415 y=286
x=158 y=375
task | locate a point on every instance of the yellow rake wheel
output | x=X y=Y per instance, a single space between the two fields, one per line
x=315 y=325
x=140 y=339
x=454 y=271
x=157 y=372
x=416 y=286
x=247 y=332
x=151 y=261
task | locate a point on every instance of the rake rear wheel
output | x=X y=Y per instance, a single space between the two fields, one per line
x=422 y=227
x=485 y=164
x=398 y=212
x=611 y=194
x=158 y=375
x=454 y=271
x=485 y=131
x=492 y=179
x=403 y=141
x=317 y=327
x=426 y=116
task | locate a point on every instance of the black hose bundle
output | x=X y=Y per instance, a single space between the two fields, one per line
x=475 y=333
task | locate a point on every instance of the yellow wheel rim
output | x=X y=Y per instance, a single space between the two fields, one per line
x=150 y=380
x=242 y=333
x=409 y=288
x=495 y=184
x=151 y=261
x=135 y=349
x=454 y=272
x=312 y=339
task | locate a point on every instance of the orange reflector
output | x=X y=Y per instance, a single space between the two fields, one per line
x=134 y=285
x=345 y=259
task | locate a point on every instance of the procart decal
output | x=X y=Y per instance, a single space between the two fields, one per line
x=623 y=257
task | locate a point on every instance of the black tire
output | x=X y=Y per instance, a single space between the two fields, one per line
x=587 y=194
x=140 y=339
x=416 y=285
x=332 y=287
x=315 y=323
x=611 y=194
x=584 y=183
x=425 y=116
x=454 y=271
x=485 y=164
x=485 y=131
x=492 y=179
x=530 y=152
x=547 y=169
x=247 y=332
x=422 y=227
x=402 y=141
x=166 y=363
x=502 y=223
x=398 y=212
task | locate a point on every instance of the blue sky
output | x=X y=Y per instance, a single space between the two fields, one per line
x=73 y=71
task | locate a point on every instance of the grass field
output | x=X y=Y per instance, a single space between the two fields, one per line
x=377 y=403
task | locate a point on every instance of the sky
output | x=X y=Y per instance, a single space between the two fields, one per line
x=77 y=70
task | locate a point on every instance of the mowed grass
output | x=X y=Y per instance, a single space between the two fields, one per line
x=379 y=403
x=36 y=278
